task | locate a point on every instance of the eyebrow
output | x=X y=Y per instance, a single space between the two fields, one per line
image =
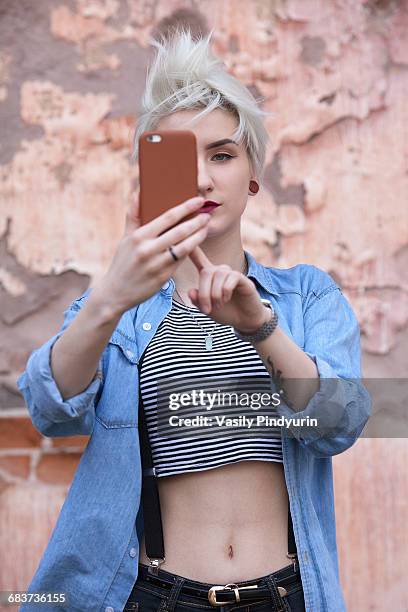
x=219 y=143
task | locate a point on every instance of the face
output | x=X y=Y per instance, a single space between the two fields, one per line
x=224 y=171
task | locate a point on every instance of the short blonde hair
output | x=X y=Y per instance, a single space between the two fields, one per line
x=186 y=75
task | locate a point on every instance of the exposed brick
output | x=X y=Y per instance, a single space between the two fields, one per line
x=59 y=468
x=65 y=441
x=18 y=432
x=16 y=465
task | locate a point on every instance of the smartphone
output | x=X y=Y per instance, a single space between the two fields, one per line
x=167 y=172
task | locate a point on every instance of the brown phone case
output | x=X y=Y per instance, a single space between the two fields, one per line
x=167 y=171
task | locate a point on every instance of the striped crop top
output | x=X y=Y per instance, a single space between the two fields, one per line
x=181 y=440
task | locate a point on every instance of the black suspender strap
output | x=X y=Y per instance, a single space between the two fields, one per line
x=151 y=501
x=150 y=496
x=292 y=550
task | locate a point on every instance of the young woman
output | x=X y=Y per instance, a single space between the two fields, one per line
x=190 y=302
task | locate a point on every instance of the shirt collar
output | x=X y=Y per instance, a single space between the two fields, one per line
x=262 y=274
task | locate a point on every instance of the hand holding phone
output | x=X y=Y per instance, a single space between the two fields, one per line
x=142 y=262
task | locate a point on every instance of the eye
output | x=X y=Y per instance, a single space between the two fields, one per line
x=225 y=155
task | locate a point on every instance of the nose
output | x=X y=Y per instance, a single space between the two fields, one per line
x=204 y=179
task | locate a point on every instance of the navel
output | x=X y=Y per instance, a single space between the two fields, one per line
x=230 y=552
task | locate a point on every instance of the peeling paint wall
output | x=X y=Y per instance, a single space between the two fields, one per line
x=333 y=72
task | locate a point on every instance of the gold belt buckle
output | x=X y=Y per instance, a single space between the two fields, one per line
x=212 y=593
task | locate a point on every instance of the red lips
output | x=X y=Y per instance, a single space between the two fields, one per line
x=209 y=205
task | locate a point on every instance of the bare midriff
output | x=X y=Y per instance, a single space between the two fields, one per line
x=226 y=524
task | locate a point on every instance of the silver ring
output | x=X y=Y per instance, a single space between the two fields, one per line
x=174 y=256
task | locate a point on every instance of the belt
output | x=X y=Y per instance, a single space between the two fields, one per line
x=219 y=595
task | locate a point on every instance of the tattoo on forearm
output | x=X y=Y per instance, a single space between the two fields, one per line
x=277 y=378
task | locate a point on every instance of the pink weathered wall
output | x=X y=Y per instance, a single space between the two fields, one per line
x=335 y=73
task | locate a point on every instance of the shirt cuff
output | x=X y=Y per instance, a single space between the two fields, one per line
x=334 y=407
x=41 y=392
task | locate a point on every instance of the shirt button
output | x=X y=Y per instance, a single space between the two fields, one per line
x=109 y=609
x=147 y=326
x=166 y=285
x=130 y=353
x=133 y=552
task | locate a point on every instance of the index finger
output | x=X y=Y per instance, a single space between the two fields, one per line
x=199 y=258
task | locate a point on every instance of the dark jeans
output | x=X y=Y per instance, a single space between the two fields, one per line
x=150 y=596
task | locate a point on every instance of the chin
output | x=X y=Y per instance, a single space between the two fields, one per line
x=215 y=232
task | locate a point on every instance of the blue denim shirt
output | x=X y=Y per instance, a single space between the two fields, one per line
x=93 y=552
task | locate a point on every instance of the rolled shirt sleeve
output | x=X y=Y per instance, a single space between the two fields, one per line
x=50 y=413
x=342 y=405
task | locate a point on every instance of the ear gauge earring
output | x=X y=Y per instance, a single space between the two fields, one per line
x=253 y=187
